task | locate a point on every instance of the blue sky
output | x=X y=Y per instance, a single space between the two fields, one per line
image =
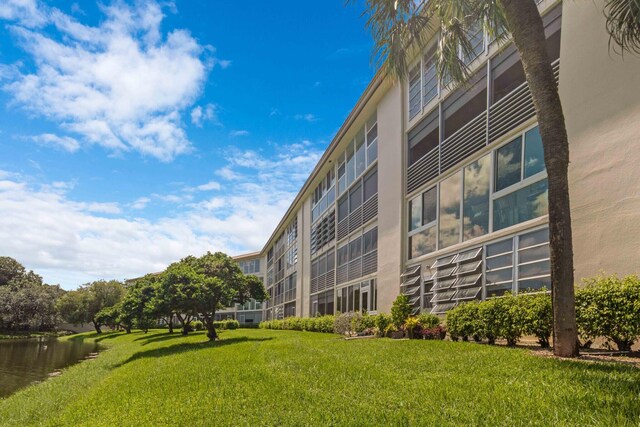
x=135 y=133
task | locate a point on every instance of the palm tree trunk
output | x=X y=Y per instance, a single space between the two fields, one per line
x=526 y=27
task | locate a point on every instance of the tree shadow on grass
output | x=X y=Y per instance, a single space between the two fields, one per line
x=186 y=347
x=96 y=336
x=164 y=336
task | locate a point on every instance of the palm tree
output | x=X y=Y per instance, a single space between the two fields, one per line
x=401 y=28
x=623 y=24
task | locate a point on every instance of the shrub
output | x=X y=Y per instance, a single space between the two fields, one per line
x=488 y=320
x=411 y=326
x=610 y=307
x=231 y=324
x=400 y=310
x=428 y=320
x=434 y=333
x=537 y=316
x=196 y=325
x=510 y=319
x=352 y=323
x=382 y=322
x=463 y=321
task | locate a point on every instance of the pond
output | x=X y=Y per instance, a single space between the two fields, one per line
x=25 y=361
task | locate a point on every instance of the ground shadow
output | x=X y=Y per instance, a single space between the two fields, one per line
x=163 y=336
x=186 y=347
x=96 y=336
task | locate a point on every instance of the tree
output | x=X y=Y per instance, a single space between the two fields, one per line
x=26 y=303
x=222 y=285
x=400 y=28
x=83 y=305
x=623 y=24
x=196 y=287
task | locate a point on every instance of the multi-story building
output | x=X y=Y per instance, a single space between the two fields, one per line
x=440 y=192
x=251 y=311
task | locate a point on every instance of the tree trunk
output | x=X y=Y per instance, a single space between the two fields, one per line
x=127 y=329
x=171 y=324
x=96 y=326
x=526 y=27
x=211 y=331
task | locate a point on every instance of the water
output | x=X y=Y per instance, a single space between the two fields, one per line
x=25 y=361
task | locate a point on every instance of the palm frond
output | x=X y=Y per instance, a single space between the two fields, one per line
x=623 y=25
x=397 y=26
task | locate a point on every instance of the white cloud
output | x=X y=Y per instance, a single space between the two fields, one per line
x=140 y=203
x=27 y=12
x=235 y=133
x=122 y=84
x=227 y=173
x=209 y=113
x=306 y=117
x=64 y=142
x=209 y=186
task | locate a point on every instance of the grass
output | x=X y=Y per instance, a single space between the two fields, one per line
x=258 y=377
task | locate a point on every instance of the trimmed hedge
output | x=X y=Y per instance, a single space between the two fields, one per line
x=508 y=317
x=606 y=306
x=226 y=324
x=609 y=307
x=311 y=324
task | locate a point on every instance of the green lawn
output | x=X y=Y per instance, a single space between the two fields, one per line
x=257 y=377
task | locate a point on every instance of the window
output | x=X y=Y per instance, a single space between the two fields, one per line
x=507 y=73
x=355 y=249
x=422 y=211
x=522 y=205
x=361 y=162
x=429 y=205
x=422 y=242
x=355 y=198
x=370 y=240
x=414 y=91
x=343 y=255
x=534 y=270
x=372 y=140
x=342 y=179
x=499 y=267
x=371 y=184
x=475 y=36
x=429 y=76
x=449 y=221
x=508 y=163
x=424 y=137
x=415 y=213
x=533 y=153
x=465 y=104
x=351 y=165
x=343 y=208
x=322 y=303
x=476 y=198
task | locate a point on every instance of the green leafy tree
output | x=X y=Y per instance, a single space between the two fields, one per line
x=82 y=306
x=179 y=288
x=222 y=284
x=26 y=303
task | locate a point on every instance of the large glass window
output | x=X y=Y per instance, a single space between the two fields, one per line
x=533 y=153
x=508 y=163
x=351 y=165
x=355 y=249
x=370 y=239
x=429 y=76
x=521 y=205
x=422 y=242
x=429 y=205
x=372 y=140
x=449 y=221
x=343 y=255
x=476 y=198
x=415 y=213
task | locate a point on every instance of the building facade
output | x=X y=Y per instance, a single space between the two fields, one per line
x=440 y=192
